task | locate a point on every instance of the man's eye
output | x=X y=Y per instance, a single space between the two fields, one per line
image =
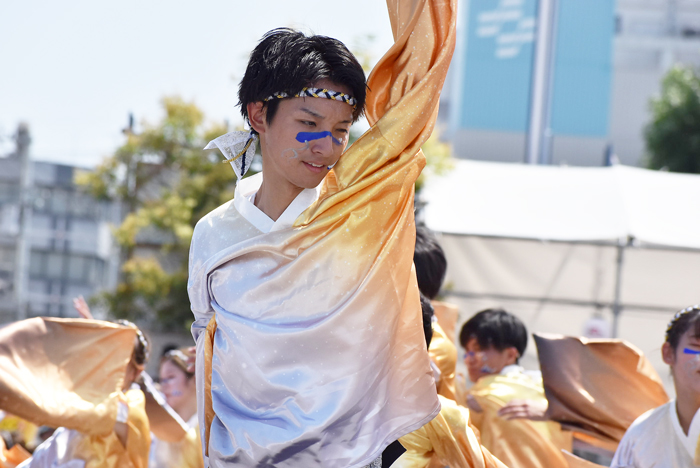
x=308 y=123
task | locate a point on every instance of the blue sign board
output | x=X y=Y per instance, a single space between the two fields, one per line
x=497 y=66
x=583 y=67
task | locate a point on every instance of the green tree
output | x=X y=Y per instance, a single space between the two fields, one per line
x=166 y=183
x=673 y=136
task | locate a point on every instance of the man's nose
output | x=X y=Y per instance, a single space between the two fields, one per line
x=323 y=145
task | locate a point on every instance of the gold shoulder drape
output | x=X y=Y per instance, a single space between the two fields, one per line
x=64 y=372
x=444 y=354
x=108 y=452
x=516 y=442
x=598 y=387
x=447 y=440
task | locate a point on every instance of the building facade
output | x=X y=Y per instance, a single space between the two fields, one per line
x=645 y=39
x=55 y=239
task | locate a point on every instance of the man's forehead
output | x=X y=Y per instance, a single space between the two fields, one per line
x=323 y=108
x=473 y=343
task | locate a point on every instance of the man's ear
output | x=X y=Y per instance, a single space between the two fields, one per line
x=512 y=355
x=667 y=354
x=256 y=116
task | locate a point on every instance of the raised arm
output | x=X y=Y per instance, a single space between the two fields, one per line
x=402 y=103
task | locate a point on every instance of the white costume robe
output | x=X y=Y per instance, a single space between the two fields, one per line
x=657 y=440
x=310 y=345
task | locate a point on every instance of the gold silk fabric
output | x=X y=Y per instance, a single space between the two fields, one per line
x=315 y=353
x=444 y=354
x=447 y=315
x=447 y=440
x=516 y=442
x=64 y=372
x=596 y=386
x=184 y=454
x=108 y=452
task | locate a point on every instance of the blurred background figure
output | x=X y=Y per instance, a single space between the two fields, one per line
x=449 y=439
x=177 y=384
x=504 y=393
x=91 y=446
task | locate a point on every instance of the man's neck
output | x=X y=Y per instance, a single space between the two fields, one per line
x=273 y=202
x=686 y=407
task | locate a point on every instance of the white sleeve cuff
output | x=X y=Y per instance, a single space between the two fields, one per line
x=122 y=412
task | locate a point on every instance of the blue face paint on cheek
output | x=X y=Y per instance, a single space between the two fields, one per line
x=305 y=137
x=690 y=351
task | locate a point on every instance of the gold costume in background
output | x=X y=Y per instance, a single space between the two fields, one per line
x=67 y=373
x=184 y=453
x=108 y=452
x=597 y=387
x=72 y=448
x=517 y=442
x=447 y=440
x=64 y=372
x=447 y=315
x=444 y=354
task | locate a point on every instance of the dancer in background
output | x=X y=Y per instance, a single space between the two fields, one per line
x=310 y=350
x=74 y=377
x=178 y=385
x=494 y=341
x=667 y=437
x=449 y=439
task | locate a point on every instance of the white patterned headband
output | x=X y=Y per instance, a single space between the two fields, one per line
x=318 y=93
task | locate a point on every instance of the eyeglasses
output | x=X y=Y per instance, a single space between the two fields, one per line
x=473 y=355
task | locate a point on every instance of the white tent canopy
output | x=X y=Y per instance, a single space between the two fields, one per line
x=560 y=245
x=566 y=203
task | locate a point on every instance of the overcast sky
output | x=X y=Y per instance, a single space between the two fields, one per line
x=73 y=70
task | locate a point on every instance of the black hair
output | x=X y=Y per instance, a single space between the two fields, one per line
x=495 y=328
x=681 y=323
x=428 y=312
x=167 y=348
x=142 y=345
x=430 y=262
x=286 y=61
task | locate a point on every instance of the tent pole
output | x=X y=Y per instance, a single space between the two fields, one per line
x=618 y=287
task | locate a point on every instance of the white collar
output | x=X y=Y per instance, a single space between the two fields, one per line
x=193 y=421
x=689 y=441
x=245 y=195
x=512 y=368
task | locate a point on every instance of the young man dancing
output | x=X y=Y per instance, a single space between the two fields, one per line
x=310 y=349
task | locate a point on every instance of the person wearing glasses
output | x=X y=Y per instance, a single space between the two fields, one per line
x=178 y=385
x=507 y=402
